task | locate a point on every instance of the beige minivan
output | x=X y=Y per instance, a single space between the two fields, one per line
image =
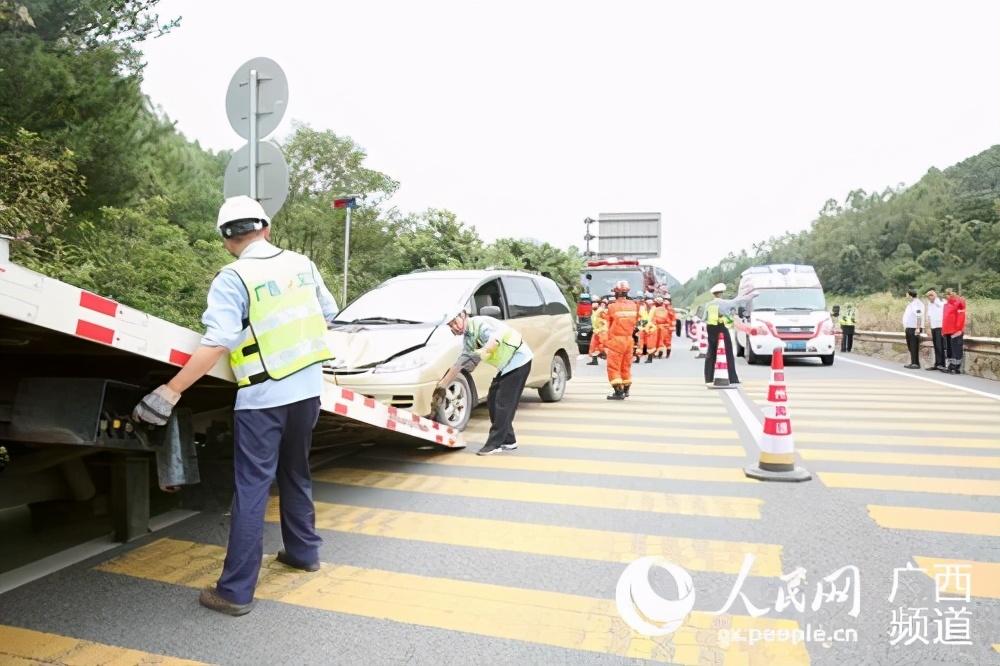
x=393 y=343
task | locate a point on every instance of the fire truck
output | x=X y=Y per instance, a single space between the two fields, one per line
x=598 y=279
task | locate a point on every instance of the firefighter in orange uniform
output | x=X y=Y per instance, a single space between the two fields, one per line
x=623 y=315
x=663 y=323
x=669 y=332
x=647 y=330
x=599 y=325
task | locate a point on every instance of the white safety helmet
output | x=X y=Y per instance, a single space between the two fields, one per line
x=718 y=288
x=241 y=209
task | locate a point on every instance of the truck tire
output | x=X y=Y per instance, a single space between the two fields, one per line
x=554 y=390
x=752 y=359
x=827 y=360
x=740 y=349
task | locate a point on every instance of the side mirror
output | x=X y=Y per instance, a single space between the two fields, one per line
x=589 y=277
x=836 y=311
x=741 y=312
x=490 y=311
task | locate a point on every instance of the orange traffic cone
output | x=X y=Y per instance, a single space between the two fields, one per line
x=777 y=446
x=721 y=377
x=702 y=340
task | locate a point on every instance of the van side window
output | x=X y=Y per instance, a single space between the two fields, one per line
x=523 y=297
x=488 y=294
x=555 y=302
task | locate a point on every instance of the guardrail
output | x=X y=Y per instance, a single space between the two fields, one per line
x=987 y=346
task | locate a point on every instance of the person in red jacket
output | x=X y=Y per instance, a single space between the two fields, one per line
x=953 y=329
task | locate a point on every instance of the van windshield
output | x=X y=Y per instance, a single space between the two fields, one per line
x=417 y=301
x=790 y=299
x=602 y=282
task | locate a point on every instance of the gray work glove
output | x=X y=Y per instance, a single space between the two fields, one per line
x=155 y=408
x=469 y=361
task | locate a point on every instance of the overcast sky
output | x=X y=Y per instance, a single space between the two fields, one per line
x=735 y=120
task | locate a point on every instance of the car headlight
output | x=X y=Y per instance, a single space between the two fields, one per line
x=412 y=361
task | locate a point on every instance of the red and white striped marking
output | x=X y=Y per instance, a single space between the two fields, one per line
x=346 y=402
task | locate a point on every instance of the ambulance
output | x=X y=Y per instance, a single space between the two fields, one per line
x=789 y=310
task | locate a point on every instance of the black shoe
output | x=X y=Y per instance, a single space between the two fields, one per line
x=593 y=360
x=211 y=599
x=287 y=560
x=509 y=447
x=626 y=389
x=933 y=367
x=649 y=359
x=617 y=395
x=668 y=353
x=489 y=450
x=912 y=366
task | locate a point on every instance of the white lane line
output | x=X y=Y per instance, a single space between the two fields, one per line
x=49 y=565
x=984 y=394
x=739 y=403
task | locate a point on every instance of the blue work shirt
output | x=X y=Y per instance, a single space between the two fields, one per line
x=491 y=328
x=229 y=307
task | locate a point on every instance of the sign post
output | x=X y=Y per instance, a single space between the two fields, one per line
x=349 y=203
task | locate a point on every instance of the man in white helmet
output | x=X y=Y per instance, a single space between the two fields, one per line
x=268 y=312
x=717 y=312
x=491 y=340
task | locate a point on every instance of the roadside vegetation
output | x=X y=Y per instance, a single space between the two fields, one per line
x=99 y=189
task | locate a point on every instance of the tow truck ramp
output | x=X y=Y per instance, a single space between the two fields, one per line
x=74 y=363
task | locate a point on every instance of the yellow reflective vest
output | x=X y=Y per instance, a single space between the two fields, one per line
x=510 y=341
x=847 y=317
x=285 y=330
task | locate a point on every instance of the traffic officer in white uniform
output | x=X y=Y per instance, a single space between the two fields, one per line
x=268 y=311
x=491 y=340
x=913 y=320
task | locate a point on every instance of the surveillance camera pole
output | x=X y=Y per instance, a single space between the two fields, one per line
x=349 y=202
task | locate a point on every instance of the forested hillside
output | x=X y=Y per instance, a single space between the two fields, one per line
x=99 y=189
x=942 y=231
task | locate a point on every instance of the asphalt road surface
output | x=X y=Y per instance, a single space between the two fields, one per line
x=451 y=558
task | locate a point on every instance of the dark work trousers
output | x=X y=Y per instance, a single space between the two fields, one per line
x=913 y=344
x=847 y=338
x=505 y=393
x=713 y=349
x=955 y=345
x=938 y=340
x=677 y=326
x=269 y=443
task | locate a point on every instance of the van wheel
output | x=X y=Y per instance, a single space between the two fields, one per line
x=554 y=390
x=740 y=349
x=827 y=360
x=752 y=359
x=459 y=400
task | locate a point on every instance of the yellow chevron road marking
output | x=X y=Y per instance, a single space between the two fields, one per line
x=913 y=484
x=979 y=523
x=533 y=616
x=605 y=418
x=547 y=493
x=942 y=441
x=600 y=406
x=554 y=540
x=862 y=405
x=848 y=424
x=661 y=433
x=572 y=466
x=913 y=416
x=984 y=577
x=25 y=646
x=878 y=457
x=605 y=444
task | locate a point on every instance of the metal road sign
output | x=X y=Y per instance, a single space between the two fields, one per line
x=271 y=101
x=255 y=103
x=271 y=176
